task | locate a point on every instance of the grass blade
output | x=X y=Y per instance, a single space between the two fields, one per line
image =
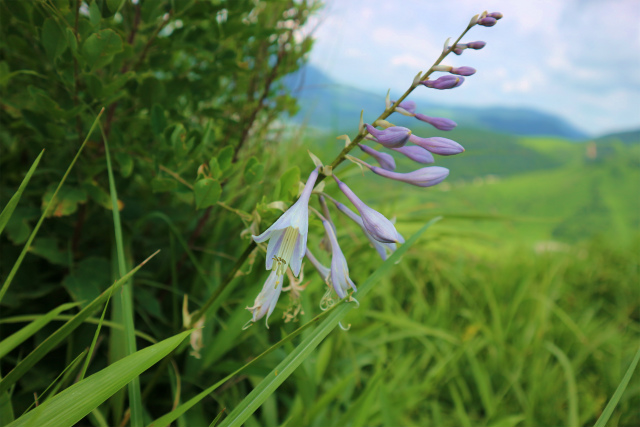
x=23 y=334
x=32 y=236
x=608 y=410
x=13 y=202
x=276 y=377
x=74 y=403
x=54 y=339
x=135 y=395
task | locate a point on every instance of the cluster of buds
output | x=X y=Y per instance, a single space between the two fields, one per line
x=287 y=237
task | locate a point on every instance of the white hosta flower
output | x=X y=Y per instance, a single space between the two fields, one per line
x=340 y=279
x=267 y=299
x=288 y=235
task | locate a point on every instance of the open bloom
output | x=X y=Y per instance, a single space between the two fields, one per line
x=438 y=145
x=424 y=177
x=383 y=249
x=266 y=300
x=385 y=160
x=340 y=279
x=395 y=136
x=376 y=224
x=288 y=235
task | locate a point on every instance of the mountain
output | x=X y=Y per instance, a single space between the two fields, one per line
x=328 y=104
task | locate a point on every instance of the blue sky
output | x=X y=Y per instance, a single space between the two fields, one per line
x=579 y=59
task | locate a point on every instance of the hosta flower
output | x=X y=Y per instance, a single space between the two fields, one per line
x=324 y=272
x=385 y=160
x=415 y=153
x=439 y=123
x=340 y=280
x=383 y=249
x=444 y=82
x=266 y=300
x=438 y=145
x=376 y=224
x=395 y=136
x=288 y=235
x=425 y=177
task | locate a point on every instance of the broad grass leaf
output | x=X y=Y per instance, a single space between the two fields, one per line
x=75 y=402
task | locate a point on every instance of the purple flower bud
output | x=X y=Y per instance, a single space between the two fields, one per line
x=487 y=21
x=425 y=177
x=496 y=15
x=395 y=136
x=476 y=45
x=415 y=153
x=374 y=222
x=385 y=160
x=444 y=82
x=439 y=123
x=408 y=106
x=459 y=48
x=463 y=71
x=438 y=145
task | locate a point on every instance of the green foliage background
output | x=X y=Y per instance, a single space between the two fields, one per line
x=519 y=308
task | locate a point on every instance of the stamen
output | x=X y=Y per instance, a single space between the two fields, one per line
x=285 y=251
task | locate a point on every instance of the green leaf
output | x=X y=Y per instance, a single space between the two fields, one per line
x=617 y=395
x=47 y=248
x=85 y=282
x=158 y=120
x=74 y=403
x=214 y=168
x=13 y=202
x=54 y=39
x=17 y=338
x=94 y=14
x=207 y=192
x=63 y=332
x=289 y=182
x=100 y=47
x=253 y=171
x=277 y=376
x=72 y=41
x=66 y=200
x=225 y=156
x=126 y=163
x=159 y=185
x=114 y=5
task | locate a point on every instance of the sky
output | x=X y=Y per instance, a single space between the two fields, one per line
x=578 y=59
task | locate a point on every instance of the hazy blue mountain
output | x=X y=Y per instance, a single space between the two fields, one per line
x=330 y=105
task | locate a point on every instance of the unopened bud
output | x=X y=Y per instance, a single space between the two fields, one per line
x=476 y=45
x=438 y=145
x=496 y=15
x=487 y=21
x=395 y=136
x=415 y=153
x=385 y=160
x=463 y=71
x=439 y=123
x=444 y=82
x=406 y=108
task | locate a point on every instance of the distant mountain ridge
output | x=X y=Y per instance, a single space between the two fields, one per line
x=330 y=105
